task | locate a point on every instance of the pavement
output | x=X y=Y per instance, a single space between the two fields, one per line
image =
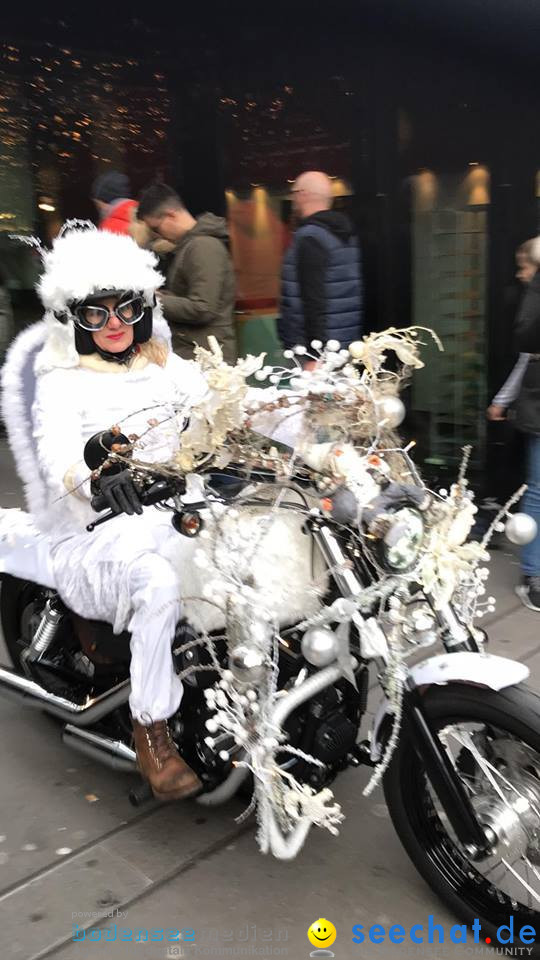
x=73 y=850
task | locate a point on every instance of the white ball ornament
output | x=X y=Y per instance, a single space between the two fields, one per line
x=316 y=344
x=521 y=528
x=223 y=755
x=391 y=409
x=300 y=350
x=275 y=378
x=260 y=375
x=333 y=346
x=210 y=742
x=211 y=725
x=356 y=349
x=289 y=354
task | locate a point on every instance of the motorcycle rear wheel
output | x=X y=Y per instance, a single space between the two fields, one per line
x=494 y=741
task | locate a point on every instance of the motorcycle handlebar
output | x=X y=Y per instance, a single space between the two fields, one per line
x=157 y=492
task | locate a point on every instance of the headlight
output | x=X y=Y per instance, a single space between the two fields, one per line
x=402 y=541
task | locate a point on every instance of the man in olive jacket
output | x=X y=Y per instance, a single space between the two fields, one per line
x=200 y=294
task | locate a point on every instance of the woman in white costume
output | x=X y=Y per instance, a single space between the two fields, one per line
x=106 y=359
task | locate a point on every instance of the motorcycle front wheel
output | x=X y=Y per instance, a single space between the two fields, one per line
x=493 y=740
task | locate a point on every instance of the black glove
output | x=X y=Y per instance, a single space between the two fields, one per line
x=118 y=491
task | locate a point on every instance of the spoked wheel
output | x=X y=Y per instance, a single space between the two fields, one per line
x=493 y=740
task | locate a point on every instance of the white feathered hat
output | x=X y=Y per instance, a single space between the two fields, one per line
x=82 y=261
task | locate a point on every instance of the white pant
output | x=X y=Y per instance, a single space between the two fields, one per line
x=118 y=575
x=134 y=571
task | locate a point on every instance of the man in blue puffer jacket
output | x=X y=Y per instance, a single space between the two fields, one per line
x=321 y=293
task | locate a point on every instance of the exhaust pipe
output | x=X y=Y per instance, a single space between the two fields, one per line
x=28 y=693
x=113 y=753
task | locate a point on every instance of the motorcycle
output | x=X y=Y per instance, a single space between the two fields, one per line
x=277 y=707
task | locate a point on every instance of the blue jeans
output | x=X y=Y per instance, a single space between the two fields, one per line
x=530 y=554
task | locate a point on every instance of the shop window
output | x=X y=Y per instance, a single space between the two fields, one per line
x=449 y=245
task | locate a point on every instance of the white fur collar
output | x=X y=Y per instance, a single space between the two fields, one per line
x=98 y=364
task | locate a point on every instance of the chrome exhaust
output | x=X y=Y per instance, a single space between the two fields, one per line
x=226 y=790
x=28 y=693
x=113 y=753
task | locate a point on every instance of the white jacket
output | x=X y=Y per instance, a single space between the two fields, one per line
x=72 y=405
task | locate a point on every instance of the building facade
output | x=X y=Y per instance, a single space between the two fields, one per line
x=427 y=129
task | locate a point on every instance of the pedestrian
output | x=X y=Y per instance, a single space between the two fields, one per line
x=199 y=297
x=523 y=388
x=110 y=193
x=321 y=293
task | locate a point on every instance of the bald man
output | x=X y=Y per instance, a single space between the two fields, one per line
x=321 y=292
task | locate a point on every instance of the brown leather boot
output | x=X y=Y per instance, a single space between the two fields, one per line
x=160 y=763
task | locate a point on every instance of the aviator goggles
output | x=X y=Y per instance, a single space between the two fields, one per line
x=94 y=316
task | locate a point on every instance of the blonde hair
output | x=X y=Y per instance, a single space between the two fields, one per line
x=155 y=351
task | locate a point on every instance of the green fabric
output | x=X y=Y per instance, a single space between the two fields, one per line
x=259 y=335
x=200 y=295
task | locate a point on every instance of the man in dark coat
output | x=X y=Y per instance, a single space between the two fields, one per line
x=321 y=293
x=200 y=295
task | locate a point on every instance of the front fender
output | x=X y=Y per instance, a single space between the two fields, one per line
x=478 y=669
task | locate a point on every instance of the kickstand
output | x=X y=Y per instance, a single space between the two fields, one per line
x=141 y=794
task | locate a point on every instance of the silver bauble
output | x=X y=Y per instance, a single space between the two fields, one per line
x=520 y=528
x=247 y=664
x=391 y=409
x=320 y=646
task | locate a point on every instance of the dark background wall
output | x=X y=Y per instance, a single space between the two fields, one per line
x=373 y=92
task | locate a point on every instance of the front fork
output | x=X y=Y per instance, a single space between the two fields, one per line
x=444 y=778
x=455 y=637
x=446 y=782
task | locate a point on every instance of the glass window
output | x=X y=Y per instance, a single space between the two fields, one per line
x=449 y=262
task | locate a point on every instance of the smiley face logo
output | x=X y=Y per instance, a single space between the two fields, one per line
x=322 y=933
